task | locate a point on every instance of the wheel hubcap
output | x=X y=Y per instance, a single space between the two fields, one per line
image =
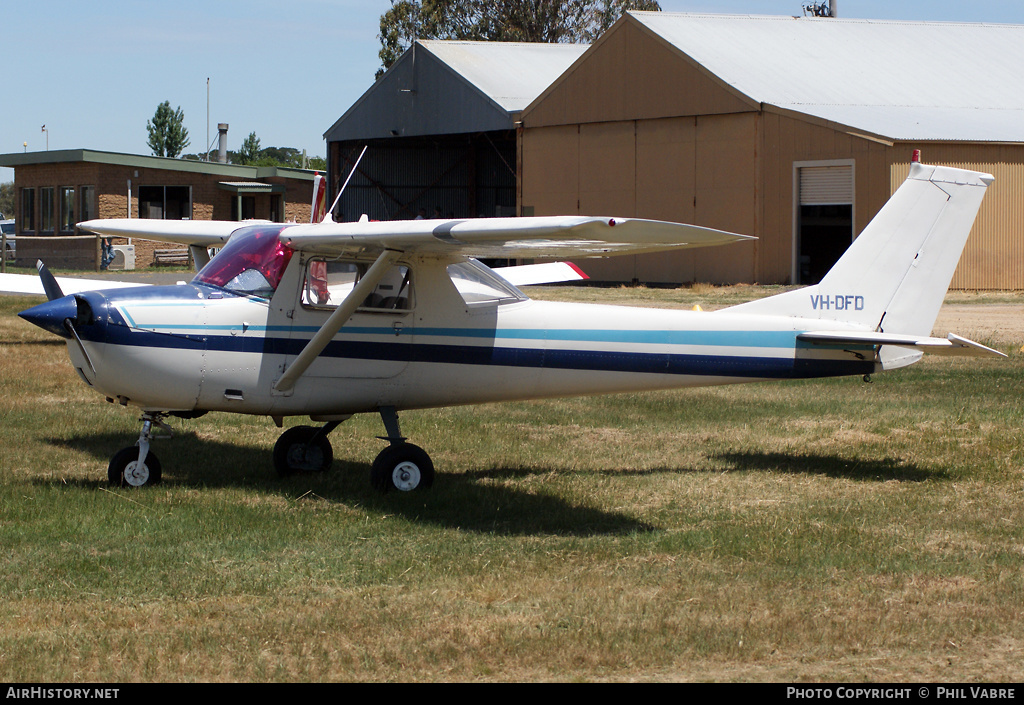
x=136 y=474
x=406 y=476
x=305 y=457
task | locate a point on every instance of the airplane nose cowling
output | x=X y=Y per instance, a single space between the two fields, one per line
x=51 y=315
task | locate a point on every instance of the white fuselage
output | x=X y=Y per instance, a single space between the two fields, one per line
x=194 y=348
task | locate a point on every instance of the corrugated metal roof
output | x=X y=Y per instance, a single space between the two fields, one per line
x=251 y=187
x=898 y=79
x=511 y=74
x=452 y=87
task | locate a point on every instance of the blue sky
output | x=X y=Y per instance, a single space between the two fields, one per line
x=94 y=73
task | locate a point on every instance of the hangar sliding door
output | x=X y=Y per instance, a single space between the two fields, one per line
x=824 y=217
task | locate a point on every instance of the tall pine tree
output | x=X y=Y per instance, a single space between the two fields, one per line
x=167 y=133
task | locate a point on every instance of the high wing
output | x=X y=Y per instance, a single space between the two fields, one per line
x=530 y=237
x=555 y=236
x=202 y=233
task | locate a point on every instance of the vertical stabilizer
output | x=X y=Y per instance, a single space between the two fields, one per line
x=319 y=207
x=894 y=276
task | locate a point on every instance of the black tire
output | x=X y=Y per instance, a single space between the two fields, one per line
x=124 y=471
x=403 y=467
x=293 y=453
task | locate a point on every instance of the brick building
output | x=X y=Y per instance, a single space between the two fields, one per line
x=56 y=190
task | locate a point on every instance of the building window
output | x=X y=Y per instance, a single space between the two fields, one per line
x=28 y=210
x=67 y=209
x=165 y=202
x=248 y=206
x=276 y=211
x=46 y=209
x=88 y=203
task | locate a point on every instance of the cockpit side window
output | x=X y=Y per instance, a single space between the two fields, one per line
x=328 y=282
x=251 y=264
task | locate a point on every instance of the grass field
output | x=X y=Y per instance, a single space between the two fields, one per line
x=828 y=530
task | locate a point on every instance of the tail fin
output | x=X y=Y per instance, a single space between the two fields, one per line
x=319 y=207
x=895 y=274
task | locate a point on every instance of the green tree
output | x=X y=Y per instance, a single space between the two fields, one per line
x=498 y=21
x=7 y=199
x=284 y=156
x=250 y=151
x=167 y=133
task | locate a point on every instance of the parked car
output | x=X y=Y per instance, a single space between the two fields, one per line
x=7 y=227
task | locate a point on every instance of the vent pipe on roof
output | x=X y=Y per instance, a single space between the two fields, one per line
x=222 y=142
x=822 y=9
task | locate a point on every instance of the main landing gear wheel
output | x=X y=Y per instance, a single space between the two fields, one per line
x=404 y=467
x=302 y=449
x=125 y=470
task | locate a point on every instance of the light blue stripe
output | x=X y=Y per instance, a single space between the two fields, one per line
x=760 y=339
x=128 y=317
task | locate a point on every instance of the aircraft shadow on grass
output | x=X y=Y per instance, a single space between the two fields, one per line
x=835 y=466
x=466 y=503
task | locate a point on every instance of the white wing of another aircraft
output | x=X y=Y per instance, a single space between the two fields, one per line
x=26 y=284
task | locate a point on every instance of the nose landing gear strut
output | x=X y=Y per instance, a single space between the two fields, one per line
x=135 y=466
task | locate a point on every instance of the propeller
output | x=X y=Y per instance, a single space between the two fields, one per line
x=59 y=313
x=50 y=285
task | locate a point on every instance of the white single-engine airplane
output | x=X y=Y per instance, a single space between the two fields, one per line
x=329 y=319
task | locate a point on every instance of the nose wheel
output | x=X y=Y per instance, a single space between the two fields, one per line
x=125 y=470
x=135 y=466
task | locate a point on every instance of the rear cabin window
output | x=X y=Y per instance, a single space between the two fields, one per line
x=479 y=284
x=328 y=282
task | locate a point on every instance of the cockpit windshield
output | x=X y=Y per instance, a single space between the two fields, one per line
x=251 y=264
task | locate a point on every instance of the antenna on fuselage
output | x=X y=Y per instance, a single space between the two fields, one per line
x=330 y=210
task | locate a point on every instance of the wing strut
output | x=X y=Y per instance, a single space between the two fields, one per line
x=363 y=288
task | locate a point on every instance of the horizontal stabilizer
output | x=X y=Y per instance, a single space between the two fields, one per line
x=950 y=345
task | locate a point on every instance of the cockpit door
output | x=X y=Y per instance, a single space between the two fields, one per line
x=375 y=343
